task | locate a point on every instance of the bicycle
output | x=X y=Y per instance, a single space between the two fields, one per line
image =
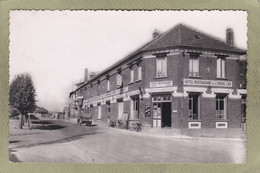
x=136 y=127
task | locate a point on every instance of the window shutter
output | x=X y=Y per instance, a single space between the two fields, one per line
x=223 y=68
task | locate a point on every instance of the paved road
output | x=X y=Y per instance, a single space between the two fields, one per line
x=68 y=142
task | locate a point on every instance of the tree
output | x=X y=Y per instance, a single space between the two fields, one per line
x=22 y=95
x=41 y=110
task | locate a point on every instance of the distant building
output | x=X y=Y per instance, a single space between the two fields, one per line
x=66 y=112
x=183 y=78
x=58 y=115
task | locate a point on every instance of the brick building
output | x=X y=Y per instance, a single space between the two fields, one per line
x=183 y=78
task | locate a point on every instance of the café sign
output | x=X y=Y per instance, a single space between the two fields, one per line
x=160 y=84
x=214 y=83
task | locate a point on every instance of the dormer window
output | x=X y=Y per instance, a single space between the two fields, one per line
x=196 y=36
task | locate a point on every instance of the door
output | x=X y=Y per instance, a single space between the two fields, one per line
x=166 y=114
x=120 y=110
x=157 y=112
x=108 y=112
x=134 y=108
x=99 y=112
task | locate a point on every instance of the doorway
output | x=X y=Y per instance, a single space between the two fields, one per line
x=108 y=112
x=166 y=114
x=162 y=110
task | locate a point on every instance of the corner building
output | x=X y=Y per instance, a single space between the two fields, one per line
x=183 y=78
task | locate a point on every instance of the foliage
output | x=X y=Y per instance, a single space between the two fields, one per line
x=41 y=110
x=22 y=94
x=13 y=112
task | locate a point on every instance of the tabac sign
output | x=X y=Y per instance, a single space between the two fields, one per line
x=215 y=83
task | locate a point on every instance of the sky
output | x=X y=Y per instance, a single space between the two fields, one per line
x=55 y=47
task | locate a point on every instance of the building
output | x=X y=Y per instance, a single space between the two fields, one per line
x=183 y=78
x=66 y=112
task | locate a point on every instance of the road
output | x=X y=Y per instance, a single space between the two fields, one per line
x=61 y=141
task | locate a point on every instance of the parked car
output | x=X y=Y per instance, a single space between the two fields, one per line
x=84 y=120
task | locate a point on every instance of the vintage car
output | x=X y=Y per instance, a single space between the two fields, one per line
x=84 y=120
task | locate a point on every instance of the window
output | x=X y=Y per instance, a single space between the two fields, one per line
x=131 y=74
x=119 y=79
x=108 y=84
x=194 y=66
x=220 y=68
x=161 y=67
x=98 y=87
x=139 y=73
x=194 y=106
x=221 y=106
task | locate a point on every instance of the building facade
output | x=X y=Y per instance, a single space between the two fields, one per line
x=183 y=78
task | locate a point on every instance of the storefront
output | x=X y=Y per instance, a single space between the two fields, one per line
x=161 y=105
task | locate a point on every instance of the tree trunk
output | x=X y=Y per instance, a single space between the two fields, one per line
x=23 y=119
x=20 y=121
x=29 y=122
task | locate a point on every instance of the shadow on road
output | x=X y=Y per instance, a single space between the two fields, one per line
x=48 y=127
x=11 y=142
x=63 y=140
x=41 y=122
x=92 y=125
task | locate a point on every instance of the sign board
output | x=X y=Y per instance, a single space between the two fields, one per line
x=109 y=94
x=215 y=83
x=160 y=84
x=147 y=110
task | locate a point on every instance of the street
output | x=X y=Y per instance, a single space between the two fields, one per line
x=62 y=141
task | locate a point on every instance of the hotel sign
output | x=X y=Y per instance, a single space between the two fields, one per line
x=109 y=94
x=160 y=84
x=215 y=83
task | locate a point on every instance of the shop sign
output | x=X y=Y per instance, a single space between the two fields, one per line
x=109 y=94
x=214 y=83
x=160 y=84
x=147 y=110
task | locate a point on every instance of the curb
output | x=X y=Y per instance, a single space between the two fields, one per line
x=181 y=137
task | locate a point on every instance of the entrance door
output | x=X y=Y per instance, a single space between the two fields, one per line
x=120 y=110
x=108 y=112
x=99 y=112
x=162 y=110
x=166 y=114
x=157 y=112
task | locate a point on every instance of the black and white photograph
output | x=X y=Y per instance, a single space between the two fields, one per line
x=112 y=86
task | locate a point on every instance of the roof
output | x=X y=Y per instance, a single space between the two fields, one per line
x=180 y=36
x=184 y=36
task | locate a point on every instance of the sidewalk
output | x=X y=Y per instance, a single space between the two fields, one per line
x=191 y=134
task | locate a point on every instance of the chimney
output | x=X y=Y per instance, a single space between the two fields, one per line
x=155 y=33
x=86 y=75
x=230 y=36
x=92 y=74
